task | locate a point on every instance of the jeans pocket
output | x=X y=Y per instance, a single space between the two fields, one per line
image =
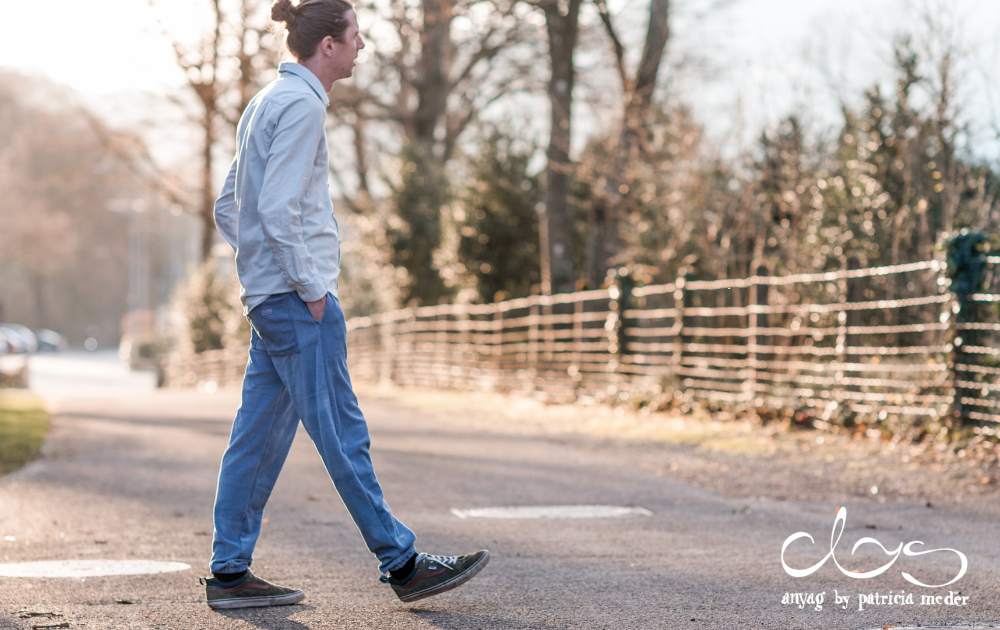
x=273 y=322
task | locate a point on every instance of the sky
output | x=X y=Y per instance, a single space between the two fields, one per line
x=769 y=55
x=104 y=46
x=776 y=56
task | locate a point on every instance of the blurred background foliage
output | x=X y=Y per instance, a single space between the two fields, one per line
x=497 y=218
x=208 y=311
x=441 y=178
x=414 y=229
x=67 y=208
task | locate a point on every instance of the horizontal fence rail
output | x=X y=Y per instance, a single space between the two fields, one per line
x=870 y=342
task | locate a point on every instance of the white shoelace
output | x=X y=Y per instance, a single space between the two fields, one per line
x=448 y=561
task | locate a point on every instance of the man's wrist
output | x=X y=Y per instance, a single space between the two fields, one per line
x=313 y=293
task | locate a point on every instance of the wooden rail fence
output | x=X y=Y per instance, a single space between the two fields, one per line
x=871 y=342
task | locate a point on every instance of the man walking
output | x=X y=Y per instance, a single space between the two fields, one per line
x=275 y=212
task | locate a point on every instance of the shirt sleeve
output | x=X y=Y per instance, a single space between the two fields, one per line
x=225 y=209
x=298 y=132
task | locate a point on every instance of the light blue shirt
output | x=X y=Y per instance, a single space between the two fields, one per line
x=275 y=208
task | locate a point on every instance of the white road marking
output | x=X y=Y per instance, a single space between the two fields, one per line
x=553 y=511
x=88 y=568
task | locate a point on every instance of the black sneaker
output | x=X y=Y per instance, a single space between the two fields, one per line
x=251 y=592
x=437 y=574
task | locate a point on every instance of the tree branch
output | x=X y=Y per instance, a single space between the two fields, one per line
x=602 y=8
x=133 y=153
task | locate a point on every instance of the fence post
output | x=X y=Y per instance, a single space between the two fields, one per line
x=533 y=341
x=464 y=355
x=763 y=319
x=547 y=332
x=853 y=318
x=498 y=346
x=625 y=285
x=575 y=369
x=388 y=347
x=416 y=362
x=619 y=293
x=966 y=266
x=678 y=329
x=841 y=349
x=750 y=384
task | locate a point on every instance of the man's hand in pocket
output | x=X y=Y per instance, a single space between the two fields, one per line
x=317 y=308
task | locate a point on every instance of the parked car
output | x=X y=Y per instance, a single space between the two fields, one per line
x=30 y=341
x=50 y=341
x=13 y=357
x=16 y=344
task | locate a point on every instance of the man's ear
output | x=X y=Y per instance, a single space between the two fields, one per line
x=328 y=44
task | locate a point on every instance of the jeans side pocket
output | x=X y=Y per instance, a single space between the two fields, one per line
x=273 y=322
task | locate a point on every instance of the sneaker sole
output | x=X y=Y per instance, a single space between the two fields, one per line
x=456 y=581
x=258 y=602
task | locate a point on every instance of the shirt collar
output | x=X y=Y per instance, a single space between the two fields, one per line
x=307 y=75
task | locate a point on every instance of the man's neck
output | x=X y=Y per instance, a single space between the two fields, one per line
x=314 y=64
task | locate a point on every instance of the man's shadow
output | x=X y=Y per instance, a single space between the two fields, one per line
x=268 y=617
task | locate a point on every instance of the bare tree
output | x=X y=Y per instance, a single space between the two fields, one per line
x=562 y=26
x=223 y=70
x=61 y=251
x=638 y=99
x=437 y=64
x=37 y=235
x=429 y=78
x=132 y=151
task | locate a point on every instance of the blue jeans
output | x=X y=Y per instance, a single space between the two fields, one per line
x=298 y=370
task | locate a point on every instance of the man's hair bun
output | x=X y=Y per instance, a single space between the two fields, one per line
x=283 y=11
x=309 y=21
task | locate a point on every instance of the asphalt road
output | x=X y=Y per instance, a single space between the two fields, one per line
x=129 y=473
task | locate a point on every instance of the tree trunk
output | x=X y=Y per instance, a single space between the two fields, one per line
x=557 y=261
x=638 y=99
x=432 y=81
x=208 y=93
x=207 y=191
x=362 y=160
x=425 y=188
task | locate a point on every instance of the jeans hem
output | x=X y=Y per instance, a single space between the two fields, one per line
x=401 y=560
x=226 y=568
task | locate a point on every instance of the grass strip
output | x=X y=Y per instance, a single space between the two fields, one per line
x=23 y=425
